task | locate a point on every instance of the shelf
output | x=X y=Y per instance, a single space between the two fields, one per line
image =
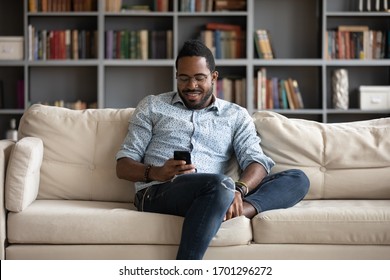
x=63 y=14
x=63 y=62
x=358 y=14
x=358 y=62
x=289 y=62
x=357 y=111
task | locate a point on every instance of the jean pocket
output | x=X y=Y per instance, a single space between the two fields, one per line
x=139 y=197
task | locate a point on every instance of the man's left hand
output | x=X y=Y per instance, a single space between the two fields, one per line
x=236 y=208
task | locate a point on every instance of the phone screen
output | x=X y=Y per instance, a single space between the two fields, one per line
x=182 y=155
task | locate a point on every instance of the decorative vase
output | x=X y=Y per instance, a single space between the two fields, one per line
x=340 y=89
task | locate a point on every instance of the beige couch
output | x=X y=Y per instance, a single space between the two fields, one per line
x=62 y=199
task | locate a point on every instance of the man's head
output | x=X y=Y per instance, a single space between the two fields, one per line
x=195 y=74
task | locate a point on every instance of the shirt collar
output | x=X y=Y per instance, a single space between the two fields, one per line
x=216 y=105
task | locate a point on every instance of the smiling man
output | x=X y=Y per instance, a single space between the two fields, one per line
x=212 y=131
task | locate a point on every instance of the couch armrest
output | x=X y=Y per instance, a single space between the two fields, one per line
x=5 y=151
x=23 y=174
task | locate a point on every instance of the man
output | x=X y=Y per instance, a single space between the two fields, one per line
x=213 y=130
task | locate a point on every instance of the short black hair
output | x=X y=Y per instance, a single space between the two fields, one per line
x=197 y=48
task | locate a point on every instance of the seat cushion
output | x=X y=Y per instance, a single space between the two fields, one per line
x=89 y=222
x=326 y=222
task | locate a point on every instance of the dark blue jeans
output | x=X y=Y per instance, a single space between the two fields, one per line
x=203 y=199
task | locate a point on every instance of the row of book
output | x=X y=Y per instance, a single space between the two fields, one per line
x=232 y=89
x=357 y=42
x=138 y=44
x=156 y=6
x=263 y=44
x=62 y=5
x=61 y=44
x=225 y=40
x=276 y=93
x=212 y=5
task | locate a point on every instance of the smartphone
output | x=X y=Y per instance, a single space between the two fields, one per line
x=182 y=155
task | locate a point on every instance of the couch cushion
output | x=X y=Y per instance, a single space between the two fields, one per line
x=326 y=222
x=89 y=222
x=22 y=183
x=343 y=160
x=79 y=152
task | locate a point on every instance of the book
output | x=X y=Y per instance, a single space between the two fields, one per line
x=144 y=44
x=283 y=94
x=261 y=88
x=227 y=89
x=161 y=5
x=169 y=44
x=33 y=6
x=109 y=37
x=75 y=44
x=222 y=26
x=275 y=93
x=239 y=91
x=298 y=96
x=290 y=97
x=353 y=28
x=263 y=44
x=207 y=37
x=111 y=6
x=230 y=5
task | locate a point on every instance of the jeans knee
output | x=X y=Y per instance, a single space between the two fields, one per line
x=302 y=179
x=223 y=187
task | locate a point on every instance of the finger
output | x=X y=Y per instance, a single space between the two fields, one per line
x=229 y=213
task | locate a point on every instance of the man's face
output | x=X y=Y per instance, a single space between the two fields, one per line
x=195 y=82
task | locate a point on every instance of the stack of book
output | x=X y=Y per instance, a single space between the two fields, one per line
x=276 y=93
x=225 y=40
x=357 y=42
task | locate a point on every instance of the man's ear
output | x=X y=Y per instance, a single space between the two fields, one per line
x=214 y=76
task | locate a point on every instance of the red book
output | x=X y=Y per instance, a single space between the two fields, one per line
x=222 y=26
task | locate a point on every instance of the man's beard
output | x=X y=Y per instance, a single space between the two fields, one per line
x=201 y=103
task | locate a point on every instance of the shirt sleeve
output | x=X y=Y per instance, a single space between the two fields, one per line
x=246 y=143
x=139 y=133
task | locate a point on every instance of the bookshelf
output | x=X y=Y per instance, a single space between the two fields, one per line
x=298 y=42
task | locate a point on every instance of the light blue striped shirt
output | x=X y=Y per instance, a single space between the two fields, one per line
x=162 y=124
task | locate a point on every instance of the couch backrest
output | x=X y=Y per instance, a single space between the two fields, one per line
x=79 y=152
x=343 y=161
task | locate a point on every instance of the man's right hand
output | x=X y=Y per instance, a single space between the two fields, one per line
x=134 y=171
x=170 y=169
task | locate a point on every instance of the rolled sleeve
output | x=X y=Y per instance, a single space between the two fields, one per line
x=247 y=144
x=138 y=135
